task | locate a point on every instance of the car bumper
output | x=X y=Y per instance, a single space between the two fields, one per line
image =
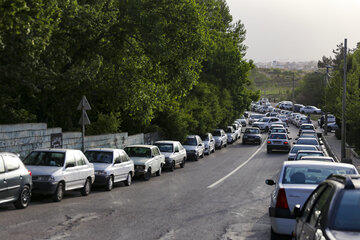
x=279 y=147
x=281 y=221
x=44 y=187
x=101 y=180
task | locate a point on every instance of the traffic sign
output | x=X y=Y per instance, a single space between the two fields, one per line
x=84 y=104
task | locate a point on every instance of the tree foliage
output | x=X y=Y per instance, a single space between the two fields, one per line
x=140 y=63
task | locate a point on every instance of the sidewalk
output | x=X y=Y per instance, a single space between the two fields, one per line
x=333 y=146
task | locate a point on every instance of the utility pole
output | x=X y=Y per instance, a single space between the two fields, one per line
x=326 y=112
x=343 y=116
x=293 y=91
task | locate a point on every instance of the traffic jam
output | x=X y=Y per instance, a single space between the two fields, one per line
x=313 y=197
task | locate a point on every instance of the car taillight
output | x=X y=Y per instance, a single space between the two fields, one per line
x=30 y=173
x=286 y=142
x=268 y=141
x=281 y=199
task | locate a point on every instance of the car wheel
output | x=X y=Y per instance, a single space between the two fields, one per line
x=87 y=188
x=110 y=184
x=128 y=180
x=172 y=166
x=269 y=150
x=24 y=198
x=147 y=175
x=203 y=155
x=213 y=149
x=196 y=158
x=266 y=129
x=59 y=193
x=182 y=164
x=221 y=145
x=158 y=173
x=225 y=145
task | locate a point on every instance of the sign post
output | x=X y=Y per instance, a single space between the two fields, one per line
x=84 y=119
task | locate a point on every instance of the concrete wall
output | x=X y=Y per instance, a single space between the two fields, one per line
x=23 y=138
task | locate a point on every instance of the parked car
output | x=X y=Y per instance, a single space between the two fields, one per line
x=330 y=119
x=15 y=181
x=111 y=166
x=220 y=138
x=332 y=211
x=332 y=126
x=55 y=171
x=251 y=135
x=231 y=134
x=297 y=107
x=195 y=148
x=296 y=148
x=174 y=152
x=238 y=128
x=296 y=181
x=147 y=160
x=278 y=141
x=302 y=153
x=255 y=118
x=242 y=121
x=310 y=109
x=209 y=141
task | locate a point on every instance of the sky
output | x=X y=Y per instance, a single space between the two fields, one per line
x=296 y=30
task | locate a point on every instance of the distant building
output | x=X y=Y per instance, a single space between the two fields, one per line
x=307 y=66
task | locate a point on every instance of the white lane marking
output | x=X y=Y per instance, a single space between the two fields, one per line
x=236 y=169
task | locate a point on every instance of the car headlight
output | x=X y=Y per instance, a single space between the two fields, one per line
x=46 y=178
x=100 y=172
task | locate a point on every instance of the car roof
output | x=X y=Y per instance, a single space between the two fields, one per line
x=166 y=141
x=142 y=145
x=317 y=163
x=55 y=150
x=317 y=157
x=309 y=151
x=103 y=149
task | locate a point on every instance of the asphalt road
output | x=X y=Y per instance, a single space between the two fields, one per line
x=222 y=196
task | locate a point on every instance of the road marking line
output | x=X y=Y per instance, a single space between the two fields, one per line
x=236 y=169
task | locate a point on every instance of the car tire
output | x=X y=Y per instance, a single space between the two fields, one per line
x=128 y=180
x=221 y=145
x=202 y=155
x=147 y=175
x=59 y=192
x=172 y=166
x=196 y=158
x=24 y=198
x=158 y=173
x=182 y=164
x=87 y=188
x=213 y=151
x=110 y=184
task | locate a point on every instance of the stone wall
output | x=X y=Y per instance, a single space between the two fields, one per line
x=23 y=138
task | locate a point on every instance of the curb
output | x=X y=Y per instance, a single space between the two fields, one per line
x=328 y=148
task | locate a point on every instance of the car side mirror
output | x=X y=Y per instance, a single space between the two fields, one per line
x=270 y=182
x=70 y=165
x=296 y=212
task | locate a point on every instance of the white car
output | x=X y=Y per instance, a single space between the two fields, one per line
x=147 y=160
x=195 y=148
x=294 y=184
x=55 y=171
x=265 y=123
x=209 y=142
x=220 y=138
x=231 y=134
x=174 y=152
x=310 y=109
x=111 y=166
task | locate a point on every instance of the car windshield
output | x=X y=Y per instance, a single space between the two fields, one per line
x=138 y=152
x=278 y=130
x=190 y=142
x=295 y=148
x=277 y=136
x=307 y=127
x=53 y=159
x=99 y=156
x=205 y=137
x=229 y=130
x=311 y=174
x=252 y=130
x=307 y=141
x=165 y=147
x=217 y=133
x=347 y=216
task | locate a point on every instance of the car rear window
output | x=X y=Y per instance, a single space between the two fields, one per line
x=39 y=158
x=277 y=136
x=295 y=148
x=347 y=216
x=311 y=174
x=165 y=147
x=307 y=141
x=138 y=152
